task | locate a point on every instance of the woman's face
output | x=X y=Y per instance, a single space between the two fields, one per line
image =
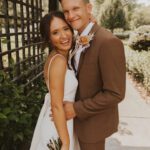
x=60 y=35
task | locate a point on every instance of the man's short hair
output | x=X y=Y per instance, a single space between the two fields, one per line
x=86 y=1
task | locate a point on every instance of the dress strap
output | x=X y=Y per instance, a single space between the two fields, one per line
x=50 y=64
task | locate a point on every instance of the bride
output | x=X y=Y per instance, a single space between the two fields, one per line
x=61 y=83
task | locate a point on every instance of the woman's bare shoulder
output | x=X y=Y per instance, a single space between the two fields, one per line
x=58 y=64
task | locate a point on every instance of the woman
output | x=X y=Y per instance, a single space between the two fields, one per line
x=61 y=83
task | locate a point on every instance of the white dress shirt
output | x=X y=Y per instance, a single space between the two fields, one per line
x=78 y=53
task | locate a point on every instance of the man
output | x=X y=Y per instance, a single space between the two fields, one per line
x=101 y=75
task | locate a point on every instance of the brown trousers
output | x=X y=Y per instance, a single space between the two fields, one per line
x=92 y=146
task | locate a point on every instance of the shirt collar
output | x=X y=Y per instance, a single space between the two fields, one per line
x=87 y=29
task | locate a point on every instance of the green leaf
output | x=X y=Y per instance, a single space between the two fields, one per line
x=2 y=75
x=2 y=116
x=5 y=41
x=12 y=62
x=13 y=118
x=19 y=136
x=6 y=111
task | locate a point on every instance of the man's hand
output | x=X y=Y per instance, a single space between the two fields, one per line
x=69 y=110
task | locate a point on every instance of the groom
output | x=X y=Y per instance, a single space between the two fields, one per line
x=101 y=75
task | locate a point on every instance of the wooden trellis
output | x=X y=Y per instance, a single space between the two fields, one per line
x=21 y=55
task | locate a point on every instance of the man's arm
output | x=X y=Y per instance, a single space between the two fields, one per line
x=113 y=71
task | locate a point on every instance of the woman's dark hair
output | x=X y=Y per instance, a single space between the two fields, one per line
x=46 y=22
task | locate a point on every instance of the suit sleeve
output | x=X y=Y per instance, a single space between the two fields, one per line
x=113 y=71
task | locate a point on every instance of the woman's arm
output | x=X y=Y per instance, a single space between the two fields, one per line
x=56 y=84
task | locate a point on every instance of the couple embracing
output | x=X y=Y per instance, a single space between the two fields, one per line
x=85 y=77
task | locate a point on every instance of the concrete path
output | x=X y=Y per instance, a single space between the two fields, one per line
x=134 y=127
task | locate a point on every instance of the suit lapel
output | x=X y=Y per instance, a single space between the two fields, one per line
x=93 y=30
x=80 y=62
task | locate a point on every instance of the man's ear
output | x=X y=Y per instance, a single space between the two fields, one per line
x=89 y=8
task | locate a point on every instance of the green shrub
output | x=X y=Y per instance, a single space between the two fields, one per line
x=139 y=16
x=112 y=15
x=18 y=113
x=140 y=38
x=138 y=64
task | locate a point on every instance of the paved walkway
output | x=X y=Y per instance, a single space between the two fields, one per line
x=134 y=127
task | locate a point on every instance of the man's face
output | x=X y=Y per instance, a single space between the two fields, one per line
x=77 y=13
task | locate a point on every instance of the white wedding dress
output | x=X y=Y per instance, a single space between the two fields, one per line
x=45 y=128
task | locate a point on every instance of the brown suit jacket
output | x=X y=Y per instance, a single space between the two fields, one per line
x=101 y=75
